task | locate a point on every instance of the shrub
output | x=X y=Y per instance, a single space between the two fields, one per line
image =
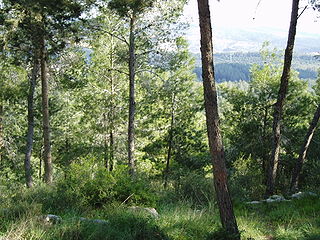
x=87 y=184
x=247 y=174
x=137 y=190
x=195 y=187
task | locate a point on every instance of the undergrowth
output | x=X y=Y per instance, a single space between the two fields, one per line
x=182 y=217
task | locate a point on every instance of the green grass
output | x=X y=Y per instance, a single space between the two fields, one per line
x=181 y=220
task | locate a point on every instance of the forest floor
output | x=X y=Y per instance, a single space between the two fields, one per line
x=20 y=218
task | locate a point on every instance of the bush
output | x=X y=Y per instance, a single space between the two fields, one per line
x=247 y=174
x=195 y=187
x=90 y=185
x=86 y=185
x=138 y=191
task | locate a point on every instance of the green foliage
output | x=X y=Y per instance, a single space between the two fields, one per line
x=247 y=113
x=88 y=184
x=194 y=187
x=222 y=234
x=21 y=219
x=235 y=66
x=247 y=174
x=136 y=191
x=121 y=225
x=127 y=7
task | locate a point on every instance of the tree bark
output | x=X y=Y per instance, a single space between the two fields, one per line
x=45 y=115
x=111 y=138
x=105 y=147
x=40 y=163
x=227 y=217
x=29 y=146
x=278 y=107
x=170 y=142
x=131 y=127
x=1 y=132
x=303 y=150
x=265 y=155
x=111 y=155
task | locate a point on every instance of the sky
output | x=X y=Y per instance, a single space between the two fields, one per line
x=253 y=14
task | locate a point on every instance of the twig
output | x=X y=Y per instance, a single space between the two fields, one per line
x=127 y=199
x=302 y=11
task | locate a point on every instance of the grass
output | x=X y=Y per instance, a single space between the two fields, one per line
x=180 y=220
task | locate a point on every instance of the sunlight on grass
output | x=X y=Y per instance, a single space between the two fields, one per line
x=183 y=222
x=251 y=228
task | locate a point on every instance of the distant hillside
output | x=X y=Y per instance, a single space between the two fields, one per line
x=231 y=39
x=235 y=66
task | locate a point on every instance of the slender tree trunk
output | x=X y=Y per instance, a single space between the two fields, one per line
x=170 y=142
x=111 y=156
x=1 y=132
x=303 y=150
x=40 y=163
x=278 y=107
x=264 y=138
x=45 y=114
x=105 y=147
x=132 y=63
x=111 y=138
x=29 y=146
x=227 y=217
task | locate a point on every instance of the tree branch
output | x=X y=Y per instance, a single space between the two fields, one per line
x=302 y=11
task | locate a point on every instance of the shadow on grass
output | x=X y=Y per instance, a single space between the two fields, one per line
x=122 y=226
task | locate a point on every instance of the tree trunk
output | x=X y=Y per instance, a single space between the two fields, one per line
x=40 y=163
x=45 y=115
x=170 y=143
x=265 y=155
x=111 y=155
x=278 y=107
x=227 y=217
x=132 y=61
x=105 y=147
x=29 y=146
x=111 y=138
x=303 y=150
x=1 y=132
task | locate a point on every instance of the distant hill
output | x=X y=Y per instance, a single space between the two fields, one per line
x=235 y=66
x=230 y=39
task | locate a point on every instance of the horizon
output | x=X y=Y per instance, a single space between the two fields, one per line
x=253 y=18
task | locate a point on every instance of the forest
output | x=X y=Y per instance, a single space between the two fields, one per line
x=235 y=66
x=110 y=128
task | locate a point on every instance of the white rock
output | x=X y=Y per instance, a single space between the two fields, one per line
x=52 y=219
x=254 y=202
x=299 y=195
x=152 y=211
x=275 y=198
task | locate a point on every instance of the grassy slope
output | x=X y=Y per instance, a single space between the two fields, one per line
x=19 y=219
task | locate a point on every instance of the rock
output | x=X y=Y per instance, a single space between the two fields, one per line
x=51 y=219
x=151 y=211
x=299 y=195
x=94 y=221
x=312 y=194
x=275 y=198
x=253 y=202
